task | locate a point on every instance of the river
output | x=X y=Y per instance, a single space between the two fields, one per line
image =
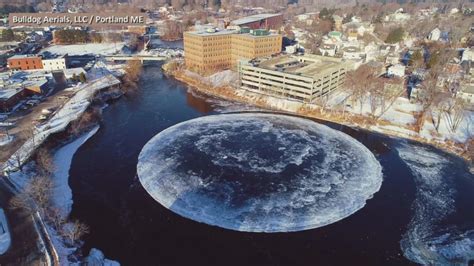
x=403 y=223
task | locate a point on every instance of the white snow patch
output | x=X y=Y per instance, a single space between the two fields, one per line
x=97 y=258
x=4 y=140
x=86 y=48
x=62 y=194
x=5 y=238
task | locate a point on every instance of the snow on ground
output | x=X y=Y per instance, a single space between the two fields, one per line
x=401 y=116
x=165 y=52
x=272 y=102
x=461 y=135
x=62 y=194
x=96 y=257
x=5 y=238
x=223 y=78
x=219 y=79
x=87 y=48
x=70 y=111
x=4 y=140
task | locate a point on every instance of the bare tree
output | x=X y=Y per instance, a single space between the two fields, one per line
x=45 y=161
x=56 y=218
x=358 y=81
x=455 y=113
x=437 y=108
x=35 y=196
x=133 y=71
x=74 y=231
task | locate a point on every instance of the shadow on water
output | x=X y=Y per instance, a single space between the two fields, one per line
x=129 y=226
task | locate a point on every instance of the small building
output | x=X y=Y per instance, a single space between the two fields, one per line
x=434 y=35
x=9 y=97
x=260 y=21
x=352 y=36
x=397 y=70
x=336 y=35
x=292 y=49
x=24 y=62
x=392 y=59
x=37 y=86
x=398 y=16
x=468 y=55
x=352 y=53
x=328 y=49
x=467 y=94
x=54 y=64
x=71 y=73
x=140 y=30
x=337 y=22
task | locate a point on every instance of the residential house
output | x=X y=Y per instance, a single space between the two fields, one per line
x=397 y=70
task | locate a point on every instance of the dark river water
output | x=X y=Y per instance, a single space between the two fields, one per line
x=426 y=201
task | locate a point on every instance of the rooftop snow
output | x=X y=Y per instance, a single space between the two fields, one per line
x=253 y=18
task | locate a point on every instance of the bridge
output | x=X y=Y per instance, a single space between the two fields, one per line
x=141 y=58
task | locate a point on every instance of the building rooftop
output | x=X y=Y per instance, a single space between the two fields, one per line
x=307 y=65
x=6 y=94
x=19 y=56
x=214 y=32
x=206 y=33
x=253 y=18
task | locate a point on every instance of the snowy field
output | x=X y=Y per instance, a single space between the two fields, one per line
x=87 y=48
x=400 y=115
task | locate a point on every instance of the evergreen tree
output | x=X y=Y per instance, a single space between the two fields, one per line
x=396 y=35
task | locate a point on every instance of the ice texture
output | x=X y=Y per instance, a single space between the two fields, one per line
x=258 y=172
x=428 y=240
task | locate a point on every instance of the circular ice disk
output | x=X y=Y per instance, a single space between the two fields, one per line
x=258 y=172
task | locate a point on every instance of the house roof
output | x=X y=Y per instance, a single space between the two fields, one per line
x=253 y=18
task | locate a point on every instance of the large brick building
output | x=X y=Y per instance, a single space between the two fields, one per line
x=24 y=62
x=209 y=51
x=260 y=21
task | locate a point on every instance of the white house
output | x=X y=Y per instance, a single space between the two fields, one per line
x=434 y=35
x=392 y=58
x=54 y=64
x=467 y=94
x=397 y=70
x=353 y=53
x=328 y=49
x=73 y=72
x=291 y=49
x=467 y=55
x=398 y=16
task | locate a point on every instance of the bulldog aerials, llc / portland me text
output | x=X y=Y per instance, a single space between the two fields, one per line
x=74 y=19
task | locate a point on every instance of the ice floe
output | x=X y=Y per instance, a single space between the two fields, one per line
x=258 y=172
x=428 y=240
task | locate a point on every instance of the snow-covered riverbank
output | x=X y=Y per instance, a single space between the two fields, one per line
x=62 y=194
x=395 y=122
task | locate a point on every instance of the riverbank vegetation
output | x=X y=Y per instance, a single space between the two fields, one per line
x=133 y=71
x=36 y=195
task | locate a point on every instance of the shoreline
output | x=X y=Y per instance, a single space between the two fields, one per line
x=237 y=95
